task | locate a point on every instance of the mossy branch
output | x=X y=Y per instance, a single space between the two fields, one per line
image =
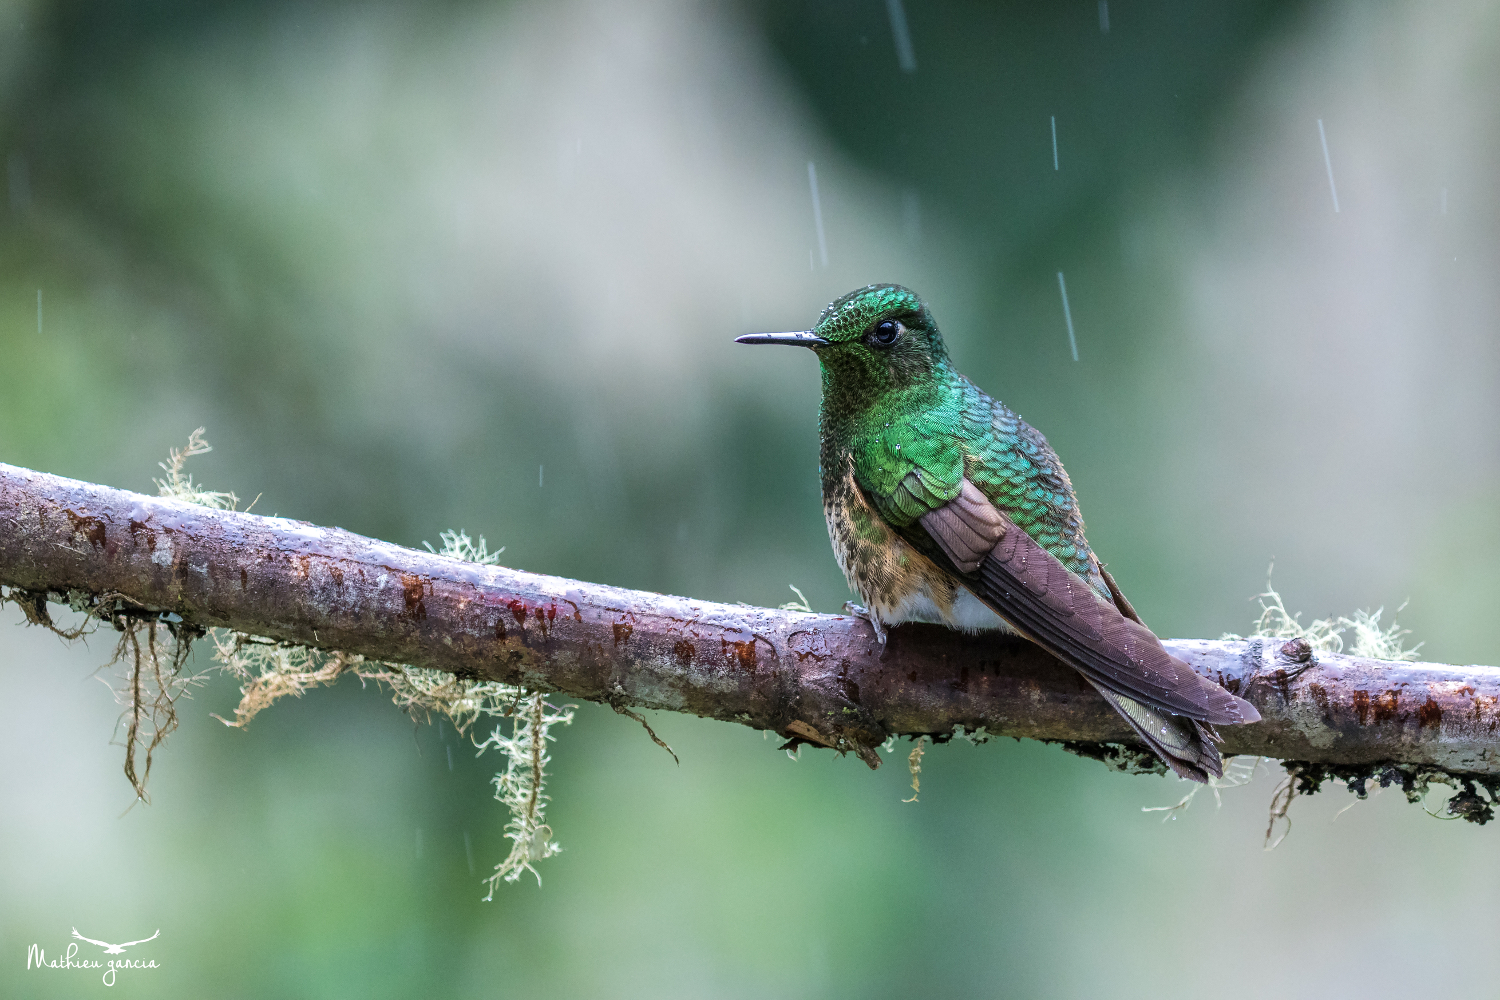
x=818 y=679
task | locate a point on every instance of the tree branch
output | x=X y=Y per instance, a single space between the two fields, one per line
x=818 y=678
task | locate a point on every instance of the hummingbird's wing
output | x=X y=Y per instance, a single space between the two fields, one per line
x=920 y=479
x=1032 y=590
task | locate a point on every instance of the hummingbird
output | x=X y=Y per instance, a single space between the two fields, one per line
x=946 y=507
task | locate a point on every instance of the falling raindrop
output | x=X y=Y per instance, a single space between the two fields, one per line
x=911 y=214
x=38 y=312
x=1328 y=162
x=450 y=757
x=812 y=183
x=469 y=851
x=1104 y=17
x=906 y=56
x=539 y=477
x=419 y=843
x=1054 y=142
x=1067 y=315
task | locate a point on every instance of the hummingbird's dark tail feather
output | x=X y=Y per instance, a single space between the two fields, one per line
x=1170 y=707
x=1028 y=587
x=1206 y=759
x=1052 y=606
x=1185 y=745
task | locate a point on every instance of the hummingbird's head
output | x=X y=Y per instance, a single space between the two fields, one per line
x=875 y=339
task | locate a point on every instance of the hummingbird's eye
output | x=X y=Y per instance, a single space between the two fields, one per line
x=885 y=333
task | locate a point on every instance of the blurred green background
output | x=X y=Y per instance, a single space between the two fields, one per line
x=429 y=265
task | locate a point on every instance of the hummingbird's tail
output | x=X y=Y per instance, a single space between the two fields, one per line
x=1185 y=745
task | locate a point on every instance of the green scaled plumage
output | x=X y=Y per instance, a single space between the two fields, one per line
x=915 y=427
x=926 y=479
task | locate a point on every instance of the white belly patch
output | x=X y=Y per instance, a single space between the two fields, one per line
x=969 y=613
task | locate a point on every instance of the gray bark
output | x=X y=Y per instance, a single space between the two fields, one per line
x=820 y=678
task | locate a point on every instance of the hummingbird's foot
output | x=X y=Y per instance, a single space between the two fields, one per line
x=861 y=612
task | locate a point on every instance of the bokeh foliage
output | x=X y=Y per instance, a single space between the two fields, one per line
x=423 y=266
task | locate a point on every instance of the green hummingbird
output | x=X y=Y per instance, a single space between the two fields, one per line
x=944 y=506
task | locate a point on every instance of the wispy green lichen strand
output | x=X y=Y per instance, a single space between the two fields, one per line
x=1326 y=635
x=271 y=670
x=521 y=786
x=180 y=486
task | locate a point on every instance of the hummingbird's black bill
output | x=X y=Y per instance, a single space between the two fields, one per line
x=794 y=339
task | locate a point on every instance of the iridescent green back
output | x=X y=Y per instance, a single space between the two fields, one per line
x=1012 y=464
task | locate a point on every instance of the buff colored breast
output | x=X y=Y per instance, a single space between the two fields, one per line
x=894 y=580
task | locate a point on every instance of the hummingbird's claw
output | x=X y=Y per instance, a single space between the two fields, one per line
x=862 y=612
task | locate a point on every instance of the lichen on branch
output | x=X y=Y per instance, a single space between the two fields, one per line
x=436 y=628
x=521 y=786
x=155 y=646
